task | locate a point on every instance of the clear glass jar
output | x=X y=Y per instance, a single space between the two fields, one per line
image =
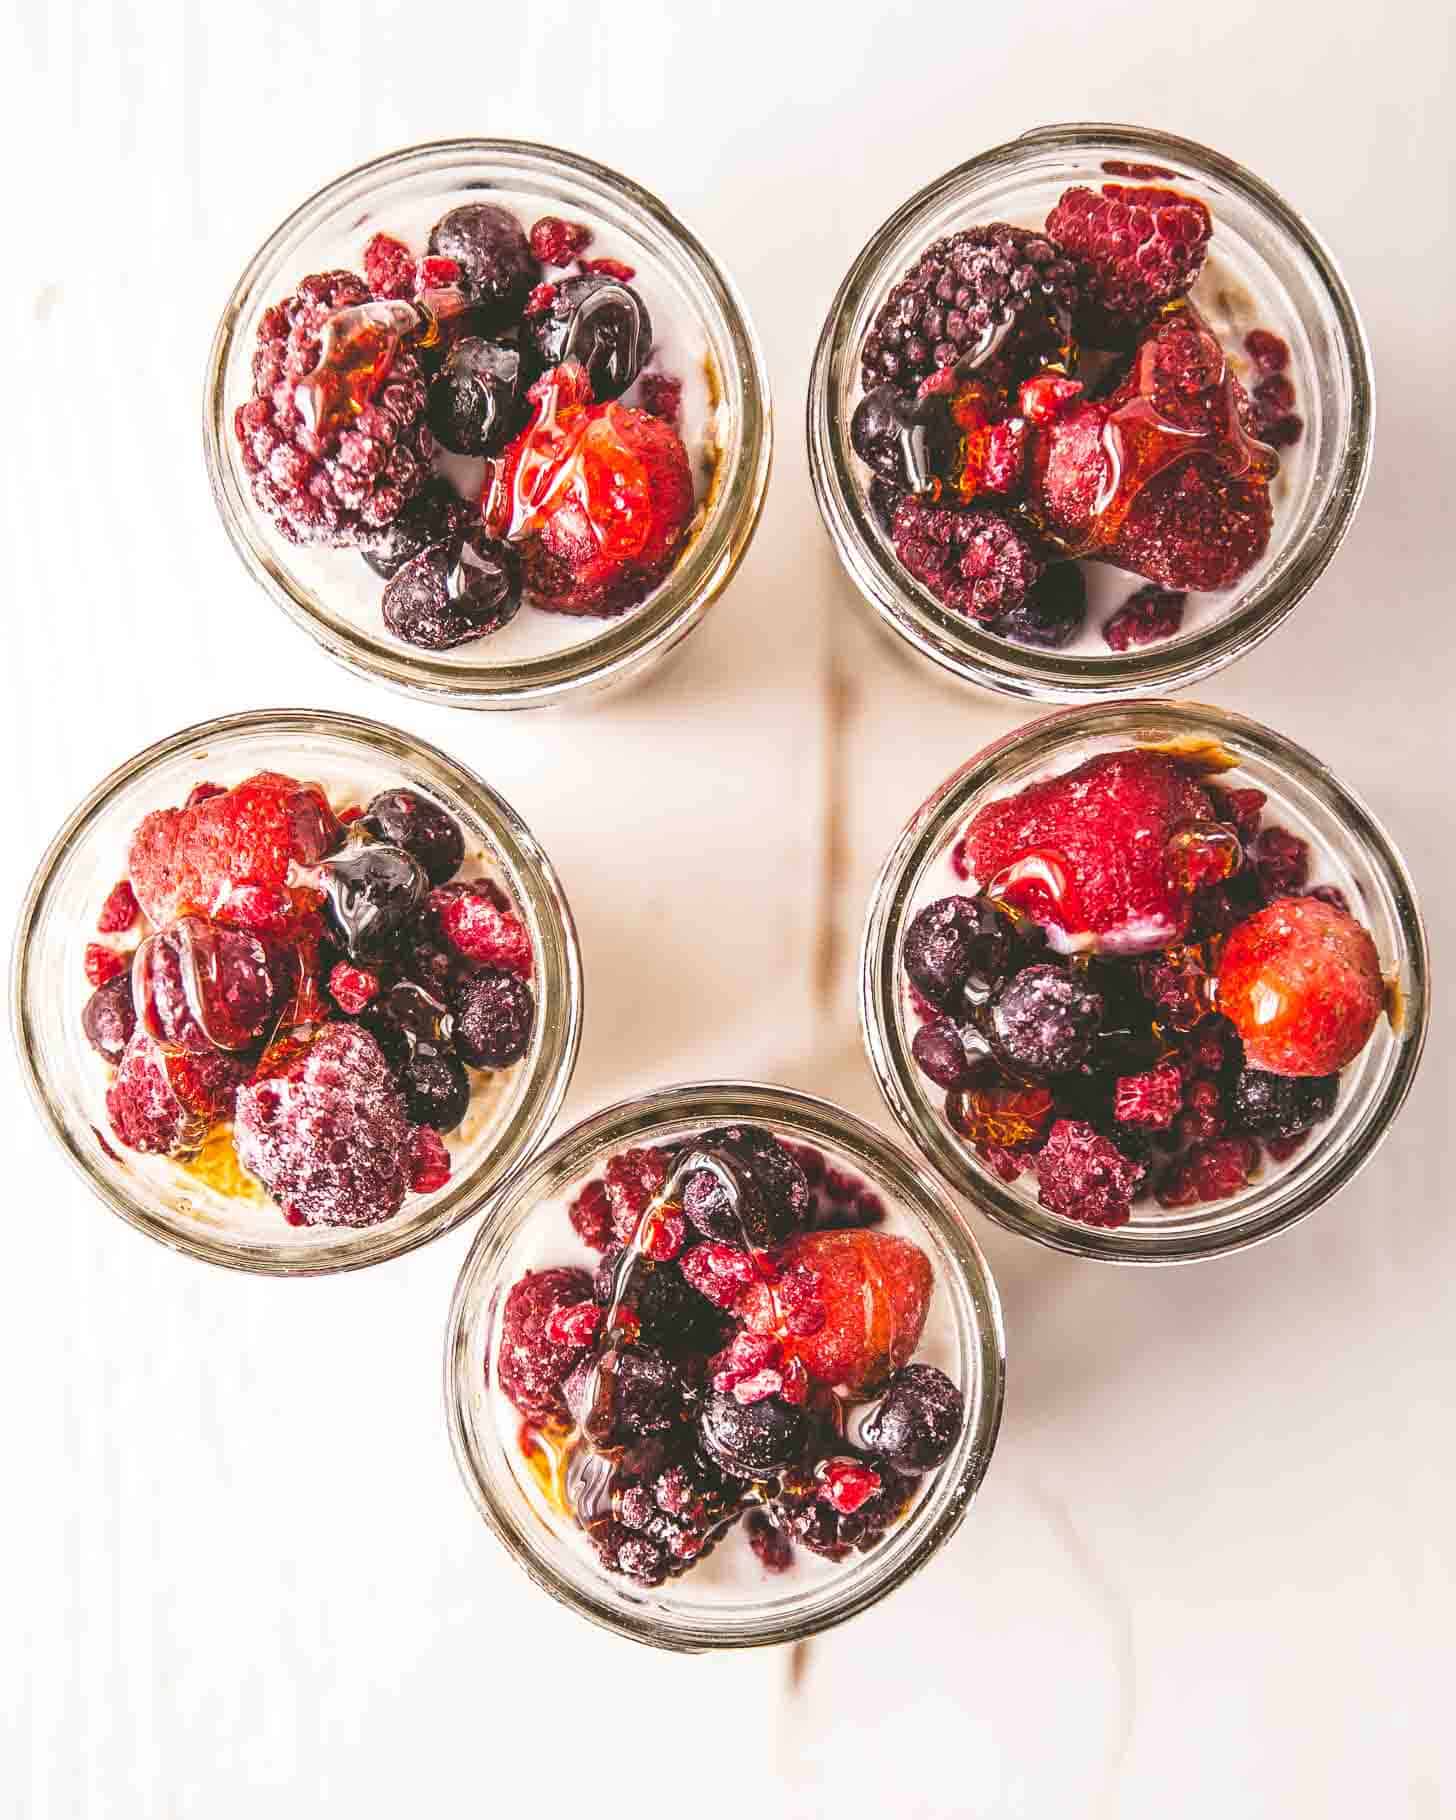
x=540 y=657
x=964 y=1326
x=510 y=1111
x=1349 y=849
x=1266 y=268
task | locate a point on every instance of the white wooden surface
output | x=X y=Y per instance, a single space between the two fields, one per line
x=1211 y=1570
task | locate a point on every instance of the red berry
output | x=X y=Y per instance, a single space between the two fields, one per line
x=119 y=911
x=1240 y=808
x=661 y=396
x=632 y=1178
x=591 y=1216
x=474 y=922
x=719 y=1272
x=574 y=1324
x=1144 y=618
x=1046 y=396
x=1084 y=1176
x=847 y=1483
x=1268 y=352
x=1209 y=1171
x=1281 y=860
x=531 y=1368
x=1140 y=247
x=389 y=267
x=429 y=1161
x=353 y=987
x=1150 y=1099
x=540 y=299
x=200 y=793
x=437 y=274
x=103 y=963
x=1300 y=981
x=610 y=268
x=663 y=1239
x=557 y=242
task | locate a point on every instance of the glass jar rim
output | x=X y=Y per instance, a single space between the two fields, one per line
x=931 y=1522
x=963 y=648
x=1286 y=1198
x=626 y=644
x=541 y=1096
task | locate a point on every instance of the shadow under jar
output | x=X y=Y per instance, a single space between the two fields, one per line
x=517 y=1471
x=1347 y=850
x=1265 y=270
x=203 y=1204
x=701 y=339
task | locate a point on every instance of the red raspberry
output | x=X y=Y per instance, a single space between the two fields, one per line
x=1084 y=1176
x=1150 y=1099
x=847 y=1483
x=103 y=963
x=557 y=242
x=1300 y=981
x=575 y=1324
x=437 y=274
x=975 y=562
x=1141 y=247
x=163 y=1104
x=591 y=1216
x=1209 y=1171
x=719 y=1272
x=1281 y=860
x=1144 y=618
x=353 y=987
x=609 y=268
x=119 y=911
x=632 y=1178
x=1268 y=352
x=1010 y=1165
x=429 y=1161
x=663 y=1240
x=389 y=267
x=530 y=1368
x=661 y=396
x=1046 y=396
x=474 y=921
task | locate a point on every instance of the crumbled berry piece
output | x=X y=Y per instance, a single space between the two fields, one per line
x=719 y=1272
x=916 y=1422
x=575 y=1324
x=531 y=1368
x=353 y=987
x=1281 y=860
x=1282 y=1105
x=1153 y=1099
x=660 y=395
x=1267 y=351
x=609 y=268
x=541 y=298
x=1300 y=981
x=754 y=1366
x=389 y=267
x=472 y=919
x=429 y=1161
x=103 y=963
x=1241 y=809
x=1084 y=1176
x=1009 y=1165
x=1044 y=1019
x=109 y=1017
x=663 y=1238
x=590 y=1214
x=1281 y=1149
x=1139 y=247
x=557 y=242
x=1331 y=895
x=1176 y=983
x=1211 y=1170
x=200 y=793
x=847 y=1484
x=1144 y=618
x=975 y=562
x=119 y=911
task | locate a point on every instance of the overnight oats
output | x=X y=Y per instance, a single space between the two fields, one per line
x=716 y=1370
x=493 y=422
x=314 y=968
x=1146 y=983
x=1102 y=422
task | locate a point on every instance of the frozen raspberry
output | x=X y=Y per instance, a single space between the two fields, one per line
x=874 y=1290
x=632 y=1178
x=917 y=1422
x=1139 y=248
x=436 y=274
x=474 y=920
x=1300 y=981
x=1043 y=1020
x=1281 y=860
x=660 y=395
x=975 y=562
x=1152 y=1098
x=557 y=242
x=103 y=963
x=1209 y=1171
x=489 y=245
x=1268 y=352
x=164 y=1103
x=985 y=291
x=119 y=911
x=1282 y=1105
x=1273 y=418
x=590 y=1214
x=1084 y=1176
x=389 y=267
x=598 y=499
x=530 y=1367
x=574 y=1325
x=769 y=1199
x=353 y=987
x=663 y=1236
x=1086 y=853
x=1052 y=614
x=429 y=1161
x=1144 y=618
x=338 y=487
x=109 y=1017
x=328 y=1136
x=719 y=1272
x=1202 y=1114
x=847 y=1484
x=1009 y=1165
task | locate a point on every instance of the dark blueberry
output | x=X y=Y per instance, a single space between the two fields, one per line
x=373 y=891
x=956 y=950
x=771 y=1196
x=494 y=1012
x=407 y=1021
x=436 y=515
x=441 y=598
x=109 y=1017
x=917 y=1421
x=769 y=1542
x=753 y=1440
x=406 y=819
x=1282 y=1105
x=1052 y=614
x=890 y=435
x=475 y=398
x=624 y=1394
x=940 y=1052
x=599 y=321
x=883 y=500
x=486 y=585
x=671 y=1314
x=1044 y=1020
x=490 y=247
x=436 y=1091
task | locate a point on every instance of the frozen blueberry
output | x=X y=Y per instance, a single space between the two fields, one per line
x=475 y=398
x=624 y=1394
x=109 y=1017
x=917 y=1421
x=890 y=436
x=599 y=321
x=1052 y=614
x=404 y=818
x=753 y=1440
x=494 y=1012
x=955 y=950
x=490 y=247
x=373 y=891
x=436 y=515
x=770 y=1198
x=1044 y=1020
x=436 y=1090
x=940 y=1053
x=406 y=1021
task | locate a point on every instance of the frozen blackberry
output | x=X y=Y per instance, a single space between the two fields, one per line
x=956 y=950
x=772 y=1196
x=994 y=292
x=1052 y=614
x=489 y=245
x=1282 y=1105
x=343 y=486
x=975 y=562
x=917 y=1421
x=1043 y=1020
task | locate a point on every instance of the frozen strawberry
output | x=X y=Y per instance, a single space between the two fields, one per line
x=873 y=1289
x=1300 y=982
x=1068 y=469
x=194 y=858
x=475 y=920
x=1139 y=247
x=1096 y=854
x=598 y=497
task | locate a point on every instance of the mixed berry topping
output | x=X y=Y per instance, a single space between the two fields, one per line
x=1136 y=993
x=1034 y=400
x=291 y=988
x=745 y=1351
x=563 y=482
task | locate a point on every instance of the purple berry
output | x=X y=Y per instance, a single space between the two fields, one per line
x=599 y=321
x=475 y=398
x=753 y=1440
x=494 y=1012
x=490 y=247
x=917 y=1421
x=404 y=818
x=1043 y=1020
x=109 y=1017
x=955 y=951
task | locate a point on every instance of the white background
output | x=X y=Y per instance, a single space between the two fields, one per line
x=1210 y=1573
